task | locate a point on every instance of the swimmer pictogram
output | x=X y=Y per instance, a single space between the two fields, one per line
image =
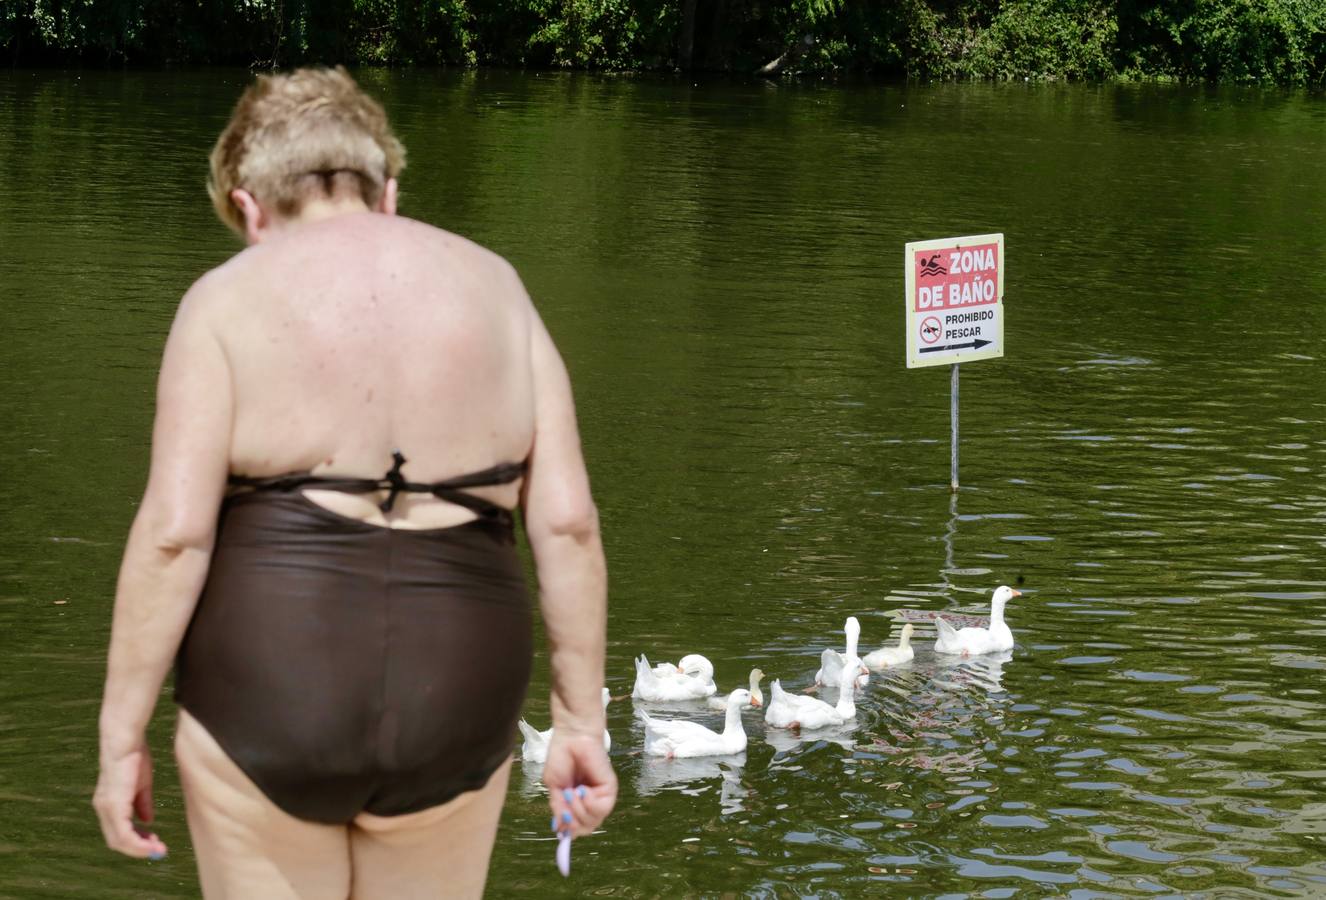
x=930 y=329
x=931 y=266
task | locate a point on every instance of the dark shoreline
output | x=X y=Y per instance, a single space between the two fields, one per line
x=1267 y=42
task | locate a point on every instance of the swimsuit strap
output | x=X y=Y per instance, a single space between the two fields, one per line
x=450 y=490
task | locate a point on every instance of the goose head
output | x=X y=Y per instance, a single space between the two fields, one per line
x=739 y=698
x=757 y=696
x=696 y=666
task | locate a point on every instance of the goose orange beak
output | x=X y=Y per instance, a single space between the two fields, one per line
x=755 y=702
x=1017 y=593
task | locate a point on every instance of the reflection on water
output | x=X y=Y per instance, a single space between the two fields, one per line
x=530 y=779
x=786 y=741
x=980 y=672
x=719 y=264
x=694 y=777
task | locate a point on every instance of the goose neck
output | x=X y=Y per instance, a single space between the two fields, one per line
x=732 y=724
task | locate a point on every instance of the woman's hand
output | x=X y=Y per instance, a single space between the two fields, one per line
x=582 y=788
x=124 y=790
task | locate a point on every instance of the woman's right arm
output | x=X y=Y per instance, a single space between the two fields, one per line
x=561 y=522
x=165 y=563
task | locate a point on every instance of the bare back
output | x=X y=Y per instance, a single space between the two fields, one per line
x=360 y=334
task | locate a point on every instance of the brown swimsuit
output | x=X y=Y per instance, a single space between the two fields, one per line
x=350 y=667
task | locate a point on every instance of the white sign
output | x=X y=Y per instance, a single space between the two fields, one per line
x=955 y=300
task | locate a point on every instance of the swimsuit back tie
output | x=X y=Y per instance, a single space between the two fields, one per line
x=394 y=483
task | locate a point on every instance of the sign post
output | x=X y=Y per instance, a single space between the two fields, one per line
x=953 y=421
x=955 y=309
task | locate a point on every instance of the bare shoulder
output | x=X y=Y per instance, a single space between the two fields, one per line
x=457 y=249
x=204 y=303
x=348 y=254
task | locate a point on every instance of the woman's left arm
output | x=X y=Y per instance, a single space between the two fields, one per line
x=165 y=564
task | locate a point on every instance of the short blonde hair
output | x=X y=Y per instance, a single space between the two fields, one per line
x=289 y=135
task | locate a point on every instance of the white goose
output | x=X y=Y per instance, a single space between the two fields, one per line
x=678 y=739
x=798 y=711
x=693 y=679
x=756 y=676
x=974 y=641
x=887 y=657
x=832 y=662
x=535 y=748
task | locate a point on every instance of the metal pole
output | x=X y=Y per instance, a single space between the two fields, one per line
x=953 y=467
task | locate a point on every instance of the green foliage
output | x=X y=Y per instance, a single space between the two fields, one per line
x=1280 y=41
x=402 y=32
x=1224 y=40
x=1252 y=40
x=584 y=33
x=1045 y=39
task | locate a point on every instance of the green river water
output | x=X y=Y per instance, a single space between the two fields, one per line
x=721 y=264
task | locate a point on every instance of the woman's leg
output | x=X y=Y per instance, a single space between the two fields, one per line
x=438 y=852
x=246 y=846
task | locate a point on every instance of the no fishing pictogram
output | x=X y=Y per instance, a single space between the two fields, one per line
x=930 y=329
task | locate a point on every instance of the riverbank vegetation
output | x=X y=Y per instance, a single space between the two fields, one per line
x=1249 y=41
